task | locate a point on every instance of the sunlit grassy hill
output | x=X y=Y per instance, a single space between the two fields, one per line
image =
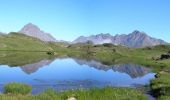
x=17 y=41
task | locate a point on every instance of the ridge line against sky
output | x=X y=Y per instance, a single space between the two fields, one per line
x=69 y=19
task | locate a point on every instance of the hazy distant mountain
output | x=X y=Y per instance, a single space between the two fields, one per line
x=134 y=39
x=2 y=33
x=32 y=30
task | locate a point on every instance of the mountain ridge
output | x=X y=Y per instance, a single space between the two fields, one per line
x=135 y=39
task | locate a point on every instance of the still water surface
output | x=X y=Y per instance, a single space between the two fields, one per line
x=70 y=73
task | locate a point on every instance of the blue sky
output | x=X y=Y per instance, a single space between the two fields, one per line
x=68 y=19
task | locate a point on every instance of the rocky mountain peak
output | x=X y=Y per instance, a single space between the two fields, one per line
x=138 y=33
x=30 y=25
x=103 y=34
x=34 y=31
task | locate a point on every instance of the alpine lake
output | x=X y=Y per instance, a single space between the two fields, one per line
x=69 y=73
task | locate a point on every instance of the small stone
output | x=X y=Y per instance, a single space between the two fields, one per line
x=72 y=98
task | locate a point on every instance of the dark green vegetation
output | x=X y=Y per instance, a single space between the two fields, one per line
x=161 y=85
x=17 y=50
x=16 y=88
x=20 y=92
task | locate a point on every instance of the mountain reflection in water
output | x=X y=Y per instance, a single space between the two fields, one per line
x=72 y=73
x=132 y=70
x=31 y=68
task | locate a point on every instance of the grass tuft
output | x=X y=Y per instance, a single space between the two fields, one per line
x=17 y=88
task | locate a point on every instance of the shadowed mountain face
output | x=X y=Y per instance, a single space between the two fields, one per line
x=131 y=69
x=34 y=31
x=31 y=68
x=135 y=39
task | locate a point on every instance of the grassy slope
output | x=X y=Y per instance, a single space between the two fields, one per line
x=17 y=58
x=119 y=54
x=18 y=49
x=16 y=41
x=93 y=94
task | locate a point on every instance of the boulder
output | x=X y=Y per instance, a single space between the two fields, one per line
x=50 y=53
x=165 y=56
